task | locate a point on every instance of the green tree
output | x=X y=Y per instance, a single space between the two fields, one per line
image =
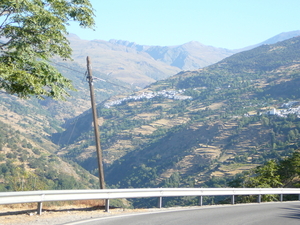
x=289 y=168
x=284 y=173
x=32 y=32
x=264 y=176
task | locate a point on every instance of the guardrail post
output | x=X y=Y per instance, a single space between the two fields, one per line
x=299 y=197
x=200 y=203
x=232 y=199
x=159 y=205
x=107 y=205
x=259 y=198
x=281 y=197
x=39 y=208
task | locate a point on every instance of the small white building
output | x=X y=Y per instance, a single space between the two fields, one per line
x=273 y=112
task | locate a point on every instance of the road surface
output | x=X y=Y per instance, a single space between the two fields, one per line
x=278 y=213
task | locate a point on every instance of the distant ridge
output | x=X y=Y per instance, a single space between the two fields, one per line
x=189 y=56
x=282 y=36
x=273 y=40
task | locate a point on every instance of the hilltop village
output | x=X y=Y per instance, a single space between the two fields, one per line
x=172 y=94
x=287 y=108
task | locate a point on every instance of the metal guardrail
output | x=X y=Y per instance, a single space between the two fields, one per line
x=107 y=194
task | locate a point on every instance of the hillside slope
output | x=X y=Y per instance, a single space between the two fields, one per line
x=29 y=163
x=28 y=159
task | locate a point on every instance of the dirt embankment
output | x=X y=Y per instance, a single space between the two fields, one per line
x=17 y=215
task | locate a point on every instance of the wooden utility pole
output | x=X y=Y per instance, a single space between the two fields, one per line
x=96 y=126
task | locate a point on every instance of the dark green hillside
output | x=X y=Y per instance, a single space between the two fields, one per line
x=222 y=130
x=287 y=90
x=25 y=165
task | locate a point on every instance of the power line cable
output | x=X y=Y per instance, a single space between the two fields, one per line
x=65 y=67
x=95 y=78
x=77 y=118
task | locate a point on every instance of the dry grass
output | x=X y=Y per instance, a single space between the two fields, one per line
x=55 y=205
x=58 y=212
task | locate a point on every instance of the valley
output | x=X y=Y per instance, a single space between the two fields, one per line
x=194 y=128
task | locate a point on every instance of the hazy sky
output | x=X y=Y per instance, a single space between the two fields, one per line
x=221 y=23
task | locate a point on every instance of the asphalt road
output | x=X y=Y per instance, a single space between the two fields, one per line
x=286 y=213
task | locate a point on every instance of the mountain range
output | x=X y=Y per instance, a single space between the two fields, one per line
x=140 y=65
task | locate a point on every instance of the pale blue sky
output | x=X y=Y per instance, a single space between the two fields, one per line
x=228 y=24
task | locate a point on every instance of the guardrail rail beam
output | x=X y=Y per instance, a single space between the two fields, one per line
x=106 y=194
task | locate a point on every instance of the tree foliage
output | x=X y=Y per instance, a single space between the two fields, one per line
x=32 y=32
x=282 y=173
